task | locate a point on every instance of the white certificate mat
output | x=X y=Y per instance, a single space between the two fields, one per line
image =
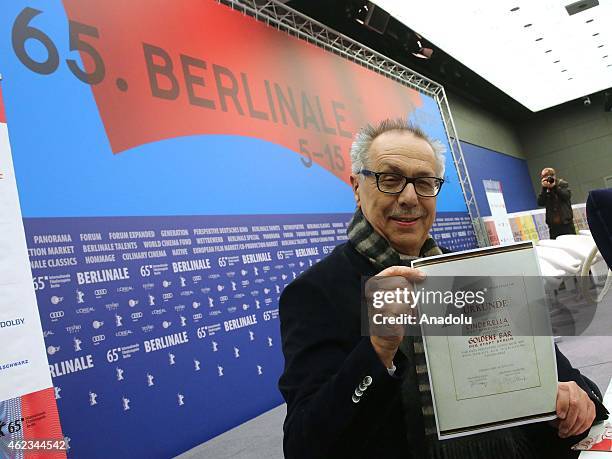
x=493 y=373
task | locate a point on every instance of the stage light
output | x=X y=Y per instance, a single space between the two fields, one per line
x=586 y=101
x=373 y=17
x=362 y=13
x=423 y=52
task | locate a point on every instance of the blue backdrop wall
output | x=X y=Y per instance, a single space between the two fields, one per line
x=511 y=172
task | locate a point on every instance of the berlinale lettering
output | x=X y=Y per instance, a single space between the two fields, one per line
x=256 y=257
x=102 y=275
x=245 y=321
x=232 y=91
x=190 y=265
x=71 y=366
x=282 y=103
x=164 y=342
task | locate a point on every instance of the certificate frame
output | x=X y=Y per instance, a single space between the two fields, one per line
x=511 y=414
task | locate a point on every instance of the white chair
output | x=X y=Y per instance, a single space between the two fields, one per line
x=553 y=277
x=592 y=266
x=559 y=259
x=601 y=276
x=578 y=246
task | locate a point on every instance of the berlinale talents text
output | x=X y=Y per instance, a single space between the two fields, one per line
x=281 y=105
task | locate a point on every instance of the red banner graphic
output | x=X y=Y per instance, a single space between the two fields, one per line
x=42 y=432
x=159 y=70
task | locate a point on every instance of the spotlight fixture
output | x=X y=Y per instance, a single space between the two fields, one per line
x=362 y=13
x=422 y=51
x=580 y=6
x=373 y=17
x=586 y=101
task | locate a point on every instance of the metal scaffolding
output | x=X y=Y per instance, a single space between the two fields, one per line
x=286 y=19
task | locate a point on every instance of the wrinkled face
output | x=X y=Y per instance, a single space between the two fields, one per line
x=404 y=219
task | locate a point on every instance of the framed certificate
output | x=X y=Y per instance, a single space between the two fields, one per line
x=493 y=364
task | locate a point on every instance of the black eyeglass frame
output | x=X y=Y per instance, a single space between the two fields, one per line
x=407 y=180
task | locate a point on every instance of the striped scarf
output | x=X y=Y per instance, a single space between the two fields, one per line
x=380 y=253
x=416 y=393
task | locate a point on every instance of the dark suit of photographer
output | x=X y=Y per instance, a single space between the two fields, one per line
x=556 y=197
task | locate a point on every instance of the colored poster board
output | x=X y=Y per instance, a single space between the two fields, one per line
x=28 y=411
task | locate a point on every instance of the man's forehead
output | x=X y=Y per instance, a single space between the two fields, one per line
x=402 y=147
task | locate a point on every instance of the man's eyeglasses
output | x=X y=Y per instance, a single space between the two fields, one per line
x=390 y=183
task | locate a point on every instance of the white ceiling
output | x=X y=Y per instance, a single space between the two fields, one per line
x=496 y=43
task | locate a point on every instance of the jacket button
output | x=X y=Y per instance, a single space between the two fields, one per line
x=356 y=399
x=367 y=380
x=358 y=392
x=362 y=387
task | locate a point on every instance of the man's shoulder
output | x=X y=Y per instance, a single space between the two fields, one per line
x=342 y=268
x=339 y=262
x=563 y=183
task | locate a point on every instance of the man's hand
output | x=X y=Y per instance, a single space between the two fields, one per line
x=386 y=339
x=576 y=411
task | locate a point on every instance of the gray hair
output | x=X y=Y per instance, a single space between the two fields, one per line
x=363 y=141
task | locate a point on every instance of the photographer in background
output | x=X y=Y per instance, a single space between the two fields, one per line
x=556 y=197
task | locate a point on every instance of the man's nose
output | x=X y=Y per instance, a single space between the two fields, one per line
x=408 y=196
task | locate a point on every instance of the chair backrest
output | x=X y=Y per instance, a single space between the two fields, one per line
x=559 y=258
x=599 y=217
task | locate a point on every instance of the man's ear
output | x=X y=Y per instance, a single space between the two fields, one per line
x=355 y=186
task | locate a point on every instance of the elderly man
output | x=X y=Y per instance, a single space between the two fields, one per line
x=367 y=397
x=556 y=197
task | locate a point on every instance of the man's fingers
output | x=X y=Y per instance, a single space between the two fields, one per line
x=395 y=277
x=567 y=425
x=586 y=419
x=574 y=408
x=411 y=274
x=562 y=402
